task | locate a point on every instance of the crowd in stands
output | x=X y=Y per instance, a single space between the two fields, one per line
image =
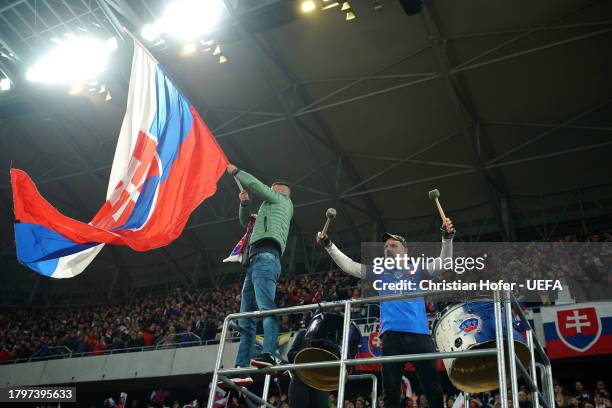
x=148 y=322
x=170 y=320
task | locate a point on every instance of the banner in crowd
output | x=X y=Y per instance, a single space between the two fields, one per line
x=578 y=330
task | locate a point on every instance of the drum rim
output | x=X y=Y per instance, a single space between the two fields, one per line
x=298 y=371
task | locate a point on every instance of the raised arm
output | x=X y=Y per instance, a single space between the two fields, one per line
x=258 y=188
x=245 y=208
x=344 y=262
x=448 y=232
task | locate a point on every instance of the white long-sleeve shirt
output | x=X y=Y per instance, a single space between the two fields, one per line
x=359 y=270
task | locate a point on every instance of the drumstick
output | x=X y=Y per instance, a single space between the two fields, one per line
x=330 y=214
x=434 y=195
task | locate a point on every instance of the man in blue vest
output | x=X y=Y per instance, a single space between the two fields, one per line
x=404 y=327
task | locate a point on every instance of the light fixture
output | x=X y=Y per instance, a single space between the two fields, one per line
x=217 y=50
x=345 y=6
x=308 y=6
x=75 y=89
x=5 y=84
x=76 y=60
x=92 y=86
x=350 y=15
x=111 y=44
x=222 y=59
x=185 y=20
x=378 y=5
x=330 y=5
x=189 y=49
x=108 y=96
x=150 y=32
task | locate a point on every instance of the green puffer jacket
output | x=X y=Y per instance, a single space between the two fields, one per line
x=274 y=215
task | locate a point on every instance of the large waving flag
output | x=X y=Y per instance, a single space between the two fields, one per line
x=166 y=163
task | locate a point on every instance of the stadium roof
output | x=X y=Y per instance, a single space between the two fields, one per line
x=503 y=106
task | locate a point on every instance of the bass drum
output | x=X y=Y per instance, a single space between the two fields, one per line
x=471 y=326
x=322 y=342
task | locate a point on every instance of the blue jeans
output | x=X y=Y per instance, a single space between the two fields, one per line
x=258 y=293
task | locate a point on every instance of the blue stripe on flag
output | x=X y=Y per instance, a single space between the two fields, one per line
x=40 y=248
x=140 y=213
x=171 y=123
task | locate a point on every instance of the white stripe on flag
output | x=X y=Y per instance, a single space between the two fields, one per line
x=140 y=111
x=71 y=265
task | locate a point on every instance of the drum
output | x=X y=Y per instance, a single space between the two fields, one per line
x=322 y=342
x=471 y=326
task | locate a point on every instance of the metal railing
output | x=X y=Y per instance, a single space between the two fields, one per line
x=222 y=374
x=374 y=395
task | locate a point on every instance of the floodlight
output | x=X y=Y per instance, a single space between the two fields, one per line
x=5 y=84
x=308 y=6
x=73 y=61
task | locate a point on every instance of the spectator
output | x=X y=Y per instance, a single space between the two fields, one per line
x=100 y=347
x=580 y=393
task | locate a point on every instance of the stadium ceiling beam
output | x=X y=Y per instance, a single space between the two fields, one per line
x=459 y=36
x=330 y=105
x=42 y=20
x=549 y=125
x=564 y=124
x=126 y=11
x=260 y=52
x=360 y=80
x=74 y=14
x=458 y=69
x=402 y=161
x=492 y=181
x=254 y=113
x=365 y=78
x=356 y=81
x=424 y=180
x=12 y=27
x=547 y=155
x=534 y=139
x=525 y=34
x=397 y=160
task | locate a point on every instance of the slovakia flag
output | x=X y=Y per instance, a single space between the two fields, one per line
x=166 y=163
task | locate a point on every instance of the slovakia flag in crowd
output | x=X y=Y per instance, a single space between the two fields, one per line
x=166 y=163
x=578 y=330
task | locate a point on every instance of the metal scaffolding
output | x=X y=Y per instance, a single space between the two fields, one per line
x=544 y=395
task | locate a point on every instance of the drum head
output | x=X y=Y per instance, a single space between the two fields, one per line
x=324 y=379
x=479 y=374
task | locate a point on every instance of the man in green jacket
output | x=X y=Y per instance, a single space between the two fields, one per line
x=266 y=246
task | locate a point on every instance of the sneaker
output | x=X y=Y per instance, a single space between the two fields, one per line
x=263 y=360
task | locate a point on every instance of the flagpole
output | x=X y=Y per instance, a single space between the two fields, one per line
x=150 y=54
x=137 y=41
x=239 y=184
